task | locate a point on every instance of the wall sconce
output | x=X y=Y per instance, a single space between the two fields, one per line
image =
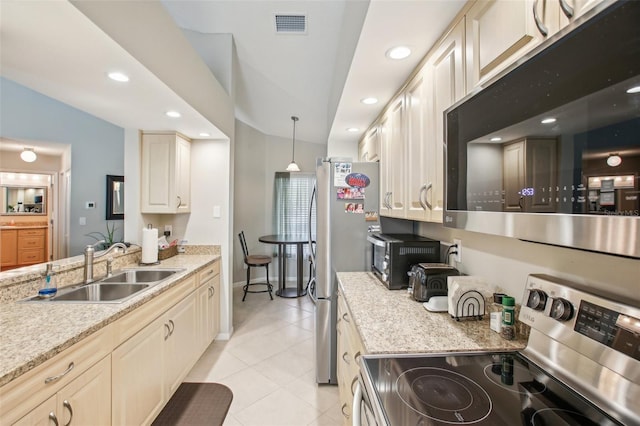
x=293 y=167
x=614 y=160
x=28 y=155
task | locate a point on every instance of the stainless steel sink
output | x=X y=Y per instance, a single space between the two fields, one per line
x=140 y=276
x=115 y=289
x=101 y=292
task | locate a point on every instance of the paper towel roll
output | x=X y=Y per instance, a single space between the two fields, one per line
x=149 y=245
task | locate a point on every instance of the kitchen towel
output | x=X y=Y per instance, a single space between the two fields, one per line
x=149 y=245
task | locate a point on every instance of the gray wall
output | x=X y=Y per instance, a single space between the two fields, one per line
x=257 y=158
x=97 y=150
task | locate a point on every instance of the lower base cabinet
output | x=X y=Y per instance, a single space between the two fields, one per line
x=84 y=401
x=126 y=372
x=350 y=349
x=149 y=367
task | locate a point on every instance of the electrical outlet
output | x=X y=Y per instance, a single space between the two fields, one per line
x=458 y=250
x=169 y=229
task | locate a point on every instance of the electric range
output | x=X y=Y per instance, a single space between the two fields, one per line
x=581 y=366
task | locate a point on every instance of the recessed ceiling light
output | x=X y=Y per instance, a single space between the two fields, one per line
x=353 y=129
x=548 y=120
x=635 y=89
x=369 y=101
x=204 y=134
x=496 y=139
x=28 y=155
x=118 y=76
x=614 y=160
x=398 y=52
x=173 y=114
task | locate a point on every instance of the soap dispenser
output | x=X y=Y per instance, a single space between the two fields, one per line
x=50 y=289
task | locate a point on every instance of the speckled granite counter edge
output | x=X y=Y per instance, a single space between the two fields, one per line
x=20 y=322
x=390 y=321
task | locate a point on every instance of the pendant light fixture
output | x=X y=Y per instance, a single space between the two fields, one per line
x=28 y=155
x=293 y=167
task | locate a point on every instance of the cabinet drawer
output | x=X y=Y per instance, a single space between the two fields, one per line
x=31 y=232
x=30 y=242
x=30 y=256
x=209 y=272
x=19 y=396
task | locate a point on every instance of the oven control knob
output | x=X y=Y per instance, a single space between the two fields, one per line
x=537 y=300
x=561 y=309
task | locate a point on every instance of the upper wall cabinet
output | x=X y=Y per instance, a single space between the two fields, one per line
x=369 y=146
x=166 y=173
x=393 y=147
x=499 y=32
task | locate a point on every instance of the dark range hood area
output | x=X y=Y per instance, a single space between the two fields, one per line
x=551 y=182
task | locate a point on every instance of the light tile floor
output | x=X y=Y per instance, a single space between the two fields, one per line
x=269 y=365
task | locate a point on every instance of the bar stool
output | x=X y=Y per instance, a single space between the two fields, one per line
x=254 y=261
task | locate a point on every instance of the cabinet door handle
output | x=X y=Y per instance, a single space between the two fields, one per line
x=357 y=357
x=345 y=317
x=53 y=418
x=354 y=382
x=173 y=327
x=179 y=202
x=168 y=333
x=345 y=414
x=423 y=188
x=59 y=376
x=66 y=404
x=541 y=27
x=345 y=358
x=568 y=10
x=426 y=200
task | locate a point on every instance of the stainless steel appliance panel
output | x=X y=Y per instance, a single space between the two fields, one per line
x=341 y=246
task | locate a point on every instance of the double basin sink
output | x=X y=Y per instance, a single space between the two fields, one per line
x=114 y=289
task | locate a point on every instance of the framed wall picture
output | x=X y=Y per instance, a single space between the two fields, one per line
x=115 y=197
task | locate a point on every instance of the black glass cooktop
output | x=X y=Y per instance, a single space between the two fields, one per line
x=477 y=389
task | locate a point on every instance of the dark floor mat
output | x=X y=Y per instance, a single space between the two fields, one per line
x=196 y=404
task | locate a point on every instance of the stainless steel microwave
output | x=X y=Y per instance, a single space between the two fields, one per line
x=393 y=255
x=550 y=151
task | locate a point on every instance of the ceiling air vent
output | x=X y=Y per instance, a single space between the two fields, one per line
x=291 y=24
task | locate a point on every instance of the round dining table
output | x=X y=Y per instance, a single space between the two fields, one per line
x=284 y=240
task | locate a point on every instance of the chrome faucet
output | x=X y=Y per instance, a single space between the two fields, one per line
x=89 y=256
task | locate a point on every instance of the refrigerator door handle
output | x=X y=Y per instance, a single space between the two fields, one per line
x=311 y=203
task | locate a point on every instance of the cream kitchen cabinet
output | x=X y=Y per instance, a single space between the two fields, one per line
x=393 y=146
x=84 y=401
x=499 y=32
x=78 y=381
x=350 y=350
x=149 y=367
x=369 y=146
x=166 y=173
x=209 y=305
x=438 y=85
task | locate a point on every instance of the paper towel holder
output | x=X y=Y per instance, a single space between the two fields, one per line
x=157 y=261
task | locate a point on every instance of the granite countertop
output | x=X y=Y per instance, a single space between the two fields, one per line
x=391 y=321
x=58 y=326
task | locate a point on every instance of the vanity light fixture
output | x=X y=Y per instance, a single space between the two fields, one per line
x=118 y=76
x=293 y=167
x=369 y=101
x=28 y=155
x=173 y=114
x=633 y=90
x=549 y=120
x=352 y=129
x=614 y=160
x=398 y=52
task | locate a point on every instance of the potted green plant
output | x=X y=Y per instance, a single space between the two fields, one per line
x=108 y=238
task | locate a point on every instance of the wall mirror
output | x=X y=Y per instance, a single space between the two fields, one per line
x=18 y=200
x=115 y=197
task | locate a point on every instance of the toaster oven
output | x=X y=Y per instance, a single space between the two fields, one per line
x=393 y=255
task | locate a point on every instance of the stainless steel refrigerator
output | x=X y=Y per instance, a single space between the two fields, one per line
x=344 y=214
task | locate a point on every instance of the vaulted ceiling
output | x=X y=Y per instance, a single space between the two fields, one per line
x=320 y=75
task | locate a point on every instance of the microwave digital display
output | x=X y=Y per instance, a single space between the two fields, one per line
x=557 y=136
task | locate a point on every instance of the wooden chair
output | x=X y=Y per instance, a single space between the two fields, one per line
x=255 y=261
